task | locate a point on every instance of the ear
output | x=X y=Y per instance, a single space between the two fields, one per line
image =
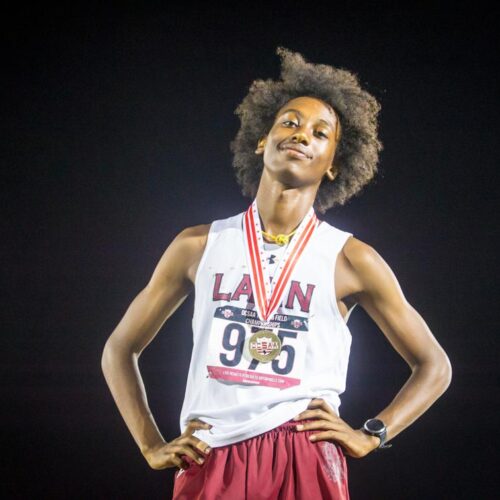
x=261 y=145
x=331 y=173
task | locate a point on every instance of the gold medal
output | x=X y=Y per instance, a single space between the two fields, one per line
x=264 y=346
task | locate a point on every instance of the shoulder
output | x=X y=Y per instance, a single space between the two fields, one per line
x=373 y=274
x=194 y=235
x=191 y=241
x=359 y=253
x=180 y=259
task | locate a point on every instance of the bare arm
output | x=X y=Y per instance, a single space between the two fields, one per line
x=380 y=294
x=383 y=299
x=170 y=284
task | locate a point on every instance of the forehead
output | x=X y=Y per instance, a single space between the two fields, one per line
x=309 y=105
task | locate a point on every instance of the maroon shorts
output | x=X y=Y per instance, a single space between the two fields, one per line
x=279 y=464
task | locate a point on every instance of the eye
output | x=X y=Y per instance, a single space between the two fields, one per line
x=323 y=134
x=289 y=121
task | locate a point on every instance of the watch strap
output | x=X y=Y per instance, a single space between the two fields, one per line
x=383 y=437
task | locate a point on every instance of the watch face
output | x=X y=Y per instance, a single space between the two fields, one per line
x=375 y=425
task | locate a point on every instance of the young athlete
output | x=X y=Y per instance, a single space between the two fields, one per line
x=274 y=288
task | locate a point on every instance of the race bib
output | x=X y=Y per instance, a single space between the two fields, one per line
x=246 y=350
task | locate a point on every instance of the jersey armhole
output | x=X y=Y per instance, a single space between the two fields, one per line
x=334 y=288
x=215 y=228
x=203 y=258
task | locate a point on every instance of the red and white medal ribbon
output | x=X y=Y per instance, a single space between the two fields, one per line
x=267 y=301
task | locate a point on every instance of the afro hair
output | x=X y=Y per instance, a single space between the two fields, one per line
x=356 y=156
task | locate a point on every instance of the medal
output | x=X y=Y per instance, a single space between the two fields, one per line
x=264 y=346
x=267 y=299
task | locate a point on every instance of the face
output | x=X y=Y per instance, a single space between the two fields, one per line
x=300 y=147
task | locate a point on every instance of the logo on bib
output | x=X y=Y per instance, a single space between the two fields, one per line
x=264 y=346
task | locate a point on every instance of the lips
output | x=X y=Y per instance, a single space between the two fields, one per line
x=302 y=151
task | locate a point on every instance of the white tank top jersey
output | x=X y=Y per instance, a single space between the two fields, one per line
x=238 y=395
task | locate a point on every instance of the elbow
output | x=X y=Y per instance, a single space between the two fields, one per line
x=447 y=372
x=438 y=369
x=110 y=355
x=441 y=370
x=106 y=357
x=443 y=366
x=443 y=373
x=116 y=352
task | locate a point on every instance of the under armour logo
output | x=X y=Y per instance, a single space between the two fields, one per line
x=271 y=259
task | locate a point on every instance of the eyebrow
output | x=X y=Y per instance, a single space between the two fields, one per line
x=332 y=126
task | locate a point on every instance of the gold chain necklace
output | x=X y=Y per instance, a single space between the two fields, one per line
x=279 y=239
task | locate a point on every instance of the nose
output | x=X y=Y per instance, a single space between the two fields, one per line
x=299 y=136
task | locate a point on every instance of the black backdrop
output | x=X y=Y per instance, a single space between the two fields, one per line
x=116 y=131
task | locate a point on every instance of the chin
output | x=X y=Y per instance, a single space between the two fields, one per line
x=291 y=181
x=290 y=174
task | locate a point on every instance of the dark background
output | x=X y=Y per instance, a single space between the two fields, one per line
x=116 y=129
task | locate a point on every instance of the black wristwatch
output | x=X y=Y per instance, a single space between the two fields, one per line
x=375 y=427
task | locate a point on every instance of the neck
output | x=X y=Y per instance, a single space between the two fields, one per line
x=282 y=209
